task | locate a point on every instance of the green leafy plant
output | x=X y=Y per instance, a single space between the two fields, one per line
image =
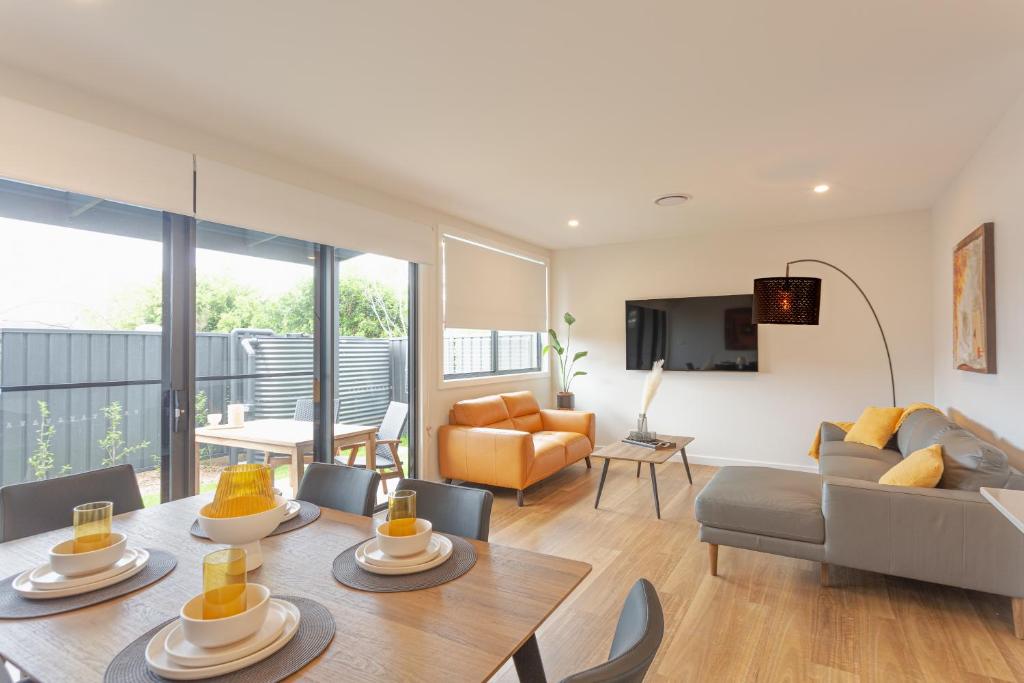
x=567 y=371
x=113 y=443
x=41 y=460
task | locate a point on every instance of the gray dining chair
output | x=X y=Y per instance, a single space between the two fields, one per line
x=38 y=506
x=637 y=639
x=349 y=489
x=304 y=410
x=389 y=437
x=452 y=509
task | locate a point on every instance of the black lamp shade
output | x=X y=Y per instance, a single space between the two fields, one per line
x=787 y=300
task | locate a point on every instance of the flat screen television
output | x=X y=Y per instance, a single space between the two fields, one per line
x=714 y=333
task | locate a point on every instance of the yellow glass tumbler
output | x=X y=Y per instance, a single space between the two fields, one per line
x=401 y=513
x=243 y=490
x=224 y=583
x=92 y=526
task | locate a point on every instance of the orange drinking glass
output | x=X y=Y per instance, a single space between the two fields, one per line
x=243 y=490
x=401 y=513
x=224 y=583
x=92 y=526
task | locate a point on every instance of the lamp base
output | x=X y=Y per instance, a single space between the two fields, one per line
x=253 y=555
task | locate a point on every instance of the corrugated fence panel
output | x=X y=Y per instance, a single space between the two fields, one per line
x=364 y=379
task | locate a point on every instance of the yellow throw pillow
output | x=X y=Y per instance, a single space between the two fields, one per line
x=921 y=468
x=875 y=426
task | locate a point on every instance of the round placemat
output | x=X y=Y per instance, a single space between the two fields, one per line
x=348 y=572
x=308 y=513
x=13 y=606
x=316 y=630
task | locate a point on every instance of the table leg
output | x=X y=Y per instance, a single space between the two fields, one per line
x=654 y=485
x=371 y=452
x=296 y=470
x=686 y=464
x=529 y=665
x=600 y=486
x=637 y=469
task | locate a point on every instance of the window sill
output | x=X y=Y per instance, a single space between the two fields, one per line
x=492 y=379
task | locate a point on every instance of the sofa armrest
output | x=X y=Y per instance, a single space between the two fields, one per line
x=941 y=535
x=831 y=432
x=577 y=421
x=500 y=457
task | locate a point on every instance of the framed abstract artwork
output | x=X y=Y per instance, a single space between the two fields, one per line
x=974 y=302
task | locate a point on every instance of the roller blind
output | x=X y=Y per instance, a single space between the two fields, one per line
x=490 y=289
x=232 y=196
x=42 y=147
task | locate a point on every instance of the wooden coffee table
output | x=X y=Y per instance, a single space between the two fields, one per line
x=640 y=455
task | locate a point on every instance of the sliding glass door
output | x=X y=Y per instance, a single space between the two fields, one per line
x=141 y=337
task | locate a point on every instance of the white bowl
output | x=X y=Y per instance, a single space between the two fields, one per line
x=226 y=630
x=403 y=546
x=244 y=532
x=68 y=563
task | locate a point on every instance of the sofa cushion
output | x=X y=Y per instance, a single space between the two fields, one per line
x=875 y=426
x=865 y=469
x=520 y=403
x=847 y=449
x=528 y=423
x=480 y=412
x=922 y=428
x=764 y=501
x=548 y=457
x=970 y=463
x=921 y=469
x=576 y=445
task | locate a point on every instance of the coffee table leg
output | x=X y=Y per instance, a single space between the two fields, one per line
x=529 y=665
x=600 y=486
x=637 y=469
x=654 y=485
x=686 y=464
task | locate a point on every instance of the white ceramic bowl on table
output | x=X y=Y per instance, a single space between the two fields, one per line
x=403 y=546
x=244 y=532
x=226 y=630
x=68 y=563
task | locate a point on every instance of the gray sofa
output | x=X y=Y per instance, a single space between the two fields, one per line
x=843 y=516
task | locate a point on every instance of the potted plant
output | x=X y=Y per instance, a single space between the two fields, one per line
x=567 y=372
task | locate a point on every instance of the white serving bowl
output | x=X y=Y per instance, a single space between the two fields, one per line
x=244 y=532
x=226 y=630
x=68 y=563
x=403 y=546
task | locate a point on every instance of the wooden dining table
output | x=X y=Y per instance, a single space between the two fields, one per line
x=293 y=438
x=463 y=630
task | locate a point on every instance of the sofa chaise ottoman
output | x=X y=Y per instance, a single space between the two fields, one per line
x=844 y=517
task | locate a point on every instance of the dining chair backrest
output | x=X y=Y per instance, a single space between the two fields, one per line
x=340 y=487
x=637 y=639
x=304 y=410
x=394 y=421
x=38 y=506
x=451 y=509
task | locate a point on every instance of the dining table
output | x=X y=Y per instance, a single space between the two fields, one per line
x=463 y=630
x=285 y=436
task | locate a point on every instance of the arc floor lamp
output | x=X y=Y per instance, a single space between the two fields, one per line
x=797 y=301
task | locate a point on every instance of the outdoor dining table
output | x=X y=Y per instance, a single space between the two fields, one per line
x=463 y=630
x=293 y=438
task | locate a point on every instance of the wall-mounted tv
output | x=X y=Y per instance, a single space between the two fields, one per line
x=695 y=333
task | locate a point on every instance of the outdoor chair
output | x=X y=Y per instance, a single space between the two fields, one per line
x=37 y=506
x=457 y=510
x=389 y=435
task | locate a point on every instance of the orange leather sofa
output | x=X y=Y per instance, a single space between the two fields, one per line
x=507 y=440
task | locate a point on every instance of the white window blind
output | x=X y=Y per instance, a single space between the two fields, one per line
x=490 y=289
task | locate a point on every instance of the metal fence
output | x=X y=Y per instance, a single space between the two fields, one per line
x=371 y=372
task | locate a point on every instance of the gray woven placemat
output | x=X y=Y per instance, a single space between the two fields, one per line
x=352 y=575
x=316 y=630
x=308 y=513
x=13 y=606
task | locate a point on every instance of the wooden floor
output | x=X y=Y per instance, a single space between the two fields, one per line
x=764 y=618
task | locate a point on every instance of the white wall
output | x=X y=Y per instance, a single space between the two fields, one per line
x=990 y=188
x=808 y=374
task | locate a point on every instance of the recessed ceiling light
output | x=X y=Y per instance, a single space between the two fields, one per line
x=672 y=199
x=573 y=223
x=821 y=189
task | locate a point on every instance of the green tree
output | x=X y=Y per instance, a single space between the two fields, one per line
x=41 y=460
x=113 y=442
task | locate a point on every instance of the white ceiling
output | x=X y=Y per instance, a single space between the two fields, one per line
x=519 y=115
